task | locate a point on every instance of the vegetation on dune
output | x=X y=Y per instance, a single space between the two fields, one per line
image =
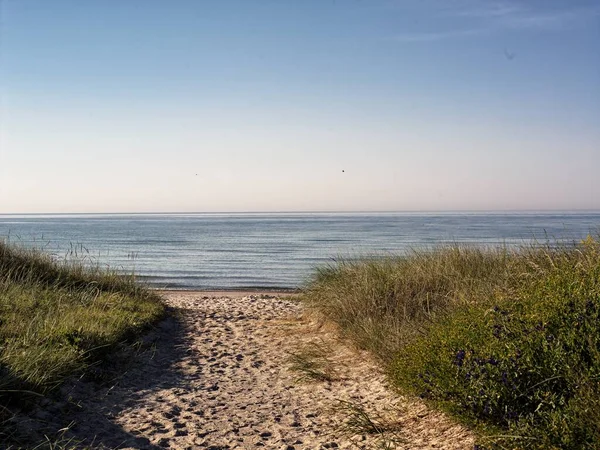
x=58 y=318
x=507 y=341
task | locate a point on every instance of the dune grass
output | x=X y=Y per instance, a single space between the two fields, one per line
x=507 y=341
x=58 y=318
x=359 y=421
x=311 y=362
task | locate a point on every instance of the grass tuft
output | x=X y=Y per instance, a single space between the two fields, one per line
x=311 y=363
x=361 y=422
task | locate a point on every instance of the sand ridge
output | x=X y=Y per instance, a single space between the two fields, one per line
x=217 y=375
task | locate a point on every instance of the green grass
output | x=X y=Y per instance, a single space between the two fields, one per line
x=58 y=318
x=506 y=341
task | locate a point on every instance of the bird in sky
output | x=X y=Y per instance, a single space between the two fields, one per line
x=509 y=55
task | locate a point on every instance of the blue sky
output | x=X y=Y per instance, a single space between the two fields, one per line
x=135 y=105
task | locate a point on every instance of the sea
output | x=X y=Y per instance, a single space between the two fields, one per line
x=273 y=251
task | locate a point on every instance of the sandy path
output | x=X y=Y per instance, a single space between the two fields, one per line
x=218 y=376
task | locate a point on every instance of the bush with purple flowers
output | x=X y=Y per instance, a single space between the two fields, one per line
x=524 y=365
x=506 y=341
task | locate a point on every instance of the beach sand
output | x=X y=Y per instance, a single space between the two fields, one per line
x=217 y=375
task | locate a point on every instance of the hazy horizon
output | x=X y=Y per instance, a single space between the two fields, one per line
x=320 y=212
x=265 y=106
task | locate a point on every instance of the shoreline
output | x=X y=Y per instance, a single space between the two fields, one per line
x=233 y=292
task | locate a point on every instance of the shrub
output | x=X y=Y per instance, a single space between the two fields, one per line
x=508 y=342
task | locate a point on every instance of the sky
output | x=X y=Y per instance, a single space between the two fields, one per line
x=299 y=105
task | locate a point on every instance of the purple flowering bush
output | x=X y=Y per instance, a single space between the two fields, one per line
x=507 y=341
x=522 y=366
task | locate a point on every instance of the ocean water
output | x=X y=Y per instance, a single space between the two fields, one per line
x=223 y=251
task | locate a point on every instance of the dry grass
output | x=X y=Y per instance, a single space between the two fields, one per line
x=359 y=421
x=311 y=363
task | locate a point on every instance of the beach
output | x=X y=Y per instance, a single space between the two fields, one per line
x=216 y=374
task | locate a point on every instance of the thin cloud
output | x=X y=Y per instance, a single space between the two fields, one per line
x=491 y=17
x=554 y=20
x=489 y=10
x=519 y=15
x=438 y=36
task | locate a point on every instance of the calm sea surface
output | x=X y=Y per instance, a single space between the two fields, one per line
x=202 y=251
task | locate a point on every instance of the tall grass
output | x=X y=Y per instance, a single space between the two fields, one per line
x=506 y=340
x=57 y=318
x=382 y=302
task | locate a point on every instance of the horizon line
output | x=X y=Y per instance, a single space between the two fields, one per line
x=424 y=211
